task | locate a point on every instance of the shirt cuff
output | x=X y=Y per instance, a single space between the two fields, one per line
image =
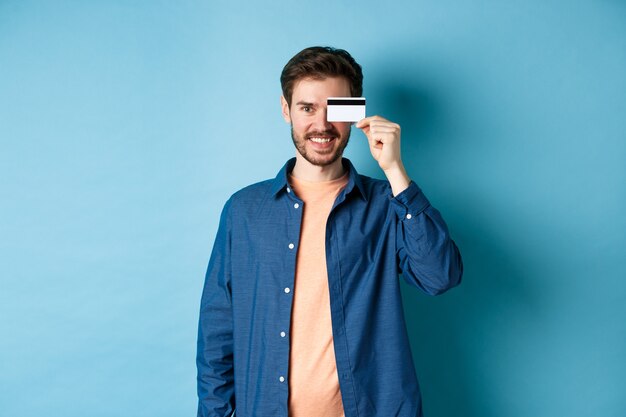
x=409 y=202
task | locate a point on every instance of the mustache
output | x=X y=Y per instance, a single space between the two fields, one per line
x=324 y=133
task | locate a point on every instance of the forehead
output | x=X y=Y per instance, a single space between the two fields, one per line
x=313 y=89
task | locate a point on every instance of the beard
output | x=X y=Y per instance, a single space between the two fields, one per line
x=317 y=158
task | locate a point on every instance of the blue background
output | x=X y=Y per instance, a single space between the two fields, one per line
x=125 y=126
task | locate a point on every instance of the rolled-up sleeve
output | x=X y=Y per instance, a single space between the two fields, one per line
x=214 y=360
x=427 y=257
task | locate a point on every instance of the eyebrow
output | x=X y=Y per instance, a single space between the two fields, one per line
x=304 y=103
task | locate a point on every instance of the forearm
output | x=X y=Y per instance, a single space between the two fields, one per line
x=215 y=351
x=215 y=367
x=427 y=255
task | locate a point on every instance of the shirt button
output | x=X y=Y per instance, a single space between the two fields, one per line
x=291 y=246
x=281 y=379
x=408 y=216
x=283 y=334
x=296 y=205
x=288 y=190
x=287 y=290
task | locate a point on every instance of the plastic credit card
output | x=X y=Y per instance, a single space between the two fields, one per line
x=345 y=109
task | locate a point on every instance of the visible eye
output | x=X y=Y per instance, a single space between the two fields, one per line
x=306 y=108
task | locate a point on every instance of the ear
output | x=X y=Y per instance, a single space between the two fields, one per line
x=285 y=109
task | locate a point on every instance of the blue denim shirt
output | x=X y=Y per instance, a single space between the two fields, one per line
x=371 y=238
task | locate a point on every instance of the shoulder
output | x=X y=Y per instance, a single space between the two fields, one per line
x=249 y=196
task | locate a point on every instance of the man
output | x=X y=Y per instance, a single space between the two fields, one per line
x=301 y=312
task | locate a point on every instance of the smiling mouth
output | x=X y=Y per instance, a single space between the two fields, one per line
x=321 y=139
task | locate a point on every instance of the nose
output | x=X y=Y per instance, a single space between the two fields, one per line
x=321 y=120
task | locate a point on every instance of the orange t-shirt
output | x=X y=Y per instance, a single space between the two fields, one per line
x=313 y=380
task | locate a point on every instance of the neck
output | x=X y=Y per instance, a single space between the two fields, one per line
x=304 y=170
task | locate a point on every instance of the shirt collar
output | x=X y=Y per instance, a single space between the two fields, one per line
x=354 y=181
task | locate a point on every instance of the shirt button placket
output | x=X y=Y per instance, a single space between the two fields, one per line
x=287 y=290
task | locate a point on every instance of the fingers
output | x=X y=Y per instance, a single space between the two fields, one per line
x=367 y=120
x=379 y=131
x=382 y=137
x=374 y=122
x=363 y=122
x=383 y=128
x=377 y=128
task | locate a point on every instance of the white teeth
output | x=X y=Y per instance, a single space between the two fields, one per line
x=320 y=140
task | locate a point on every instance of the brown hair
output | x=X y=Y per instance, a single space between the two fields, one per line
x=319 y=62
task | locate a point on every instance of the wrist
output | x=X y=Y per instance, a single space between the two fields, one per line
x=398 y=178
x=395 y=168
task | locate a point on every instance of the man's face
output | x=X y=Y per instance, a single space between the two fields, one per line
x=320 y=142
